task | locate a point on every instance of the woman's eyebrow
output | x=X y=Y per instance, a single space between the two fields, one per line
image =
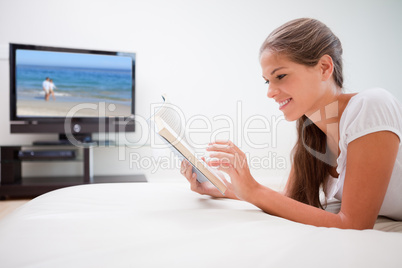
x=276 y=69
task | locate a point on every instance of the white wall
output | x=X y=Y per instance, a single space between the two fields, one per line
x=204 y=55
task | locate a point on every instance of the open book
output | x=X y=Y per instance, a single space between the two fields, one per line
x=171 y=130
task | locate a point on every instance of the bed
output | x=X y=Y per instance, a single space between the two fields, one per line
x=167 y=225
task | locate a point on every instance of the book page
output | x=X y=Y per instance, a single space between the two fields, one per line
x=170 y=115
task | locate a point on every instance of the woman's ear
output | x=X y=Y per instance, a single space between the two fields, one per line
x=326 y=66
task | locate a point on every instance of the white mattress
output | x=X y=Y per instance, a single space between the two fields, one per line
x=167 y=225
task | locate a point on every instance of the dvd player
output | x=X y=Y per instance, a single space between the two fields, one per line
x=46 y=154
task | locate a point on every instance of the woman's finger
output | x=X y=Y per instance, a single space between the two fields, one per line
x=220 y=141
x=223 y=146
x=224 y=158
x=237 y=161
x=189 y=170
x=182 y=167
x=229 y=169
x=186 y=169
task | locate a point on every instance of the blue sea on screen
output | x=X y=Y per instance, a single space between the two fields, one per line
x=75 y=84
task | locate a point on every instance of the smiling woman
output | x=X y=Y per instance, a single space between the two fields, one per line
x=301 y=62
x=311 y=53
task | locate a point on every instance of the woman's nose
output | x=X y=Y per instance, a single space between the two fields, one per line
x=272 y=91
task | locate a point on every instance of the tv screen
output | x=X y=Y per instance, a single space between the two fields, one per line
x=49 y=84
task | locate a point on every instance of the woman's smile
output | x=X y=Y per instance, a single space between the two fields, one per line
x=284 y=103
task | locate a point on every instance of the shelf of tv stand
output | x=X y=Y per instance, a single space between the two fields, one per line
x=13 y=184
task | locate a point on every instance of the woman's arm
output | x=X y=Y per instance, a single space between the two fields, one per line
x=370 y=162
x=369 y=167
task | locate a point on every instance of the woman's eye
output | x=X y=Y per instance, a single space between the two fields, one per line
x=267 y=82
x=281 y=76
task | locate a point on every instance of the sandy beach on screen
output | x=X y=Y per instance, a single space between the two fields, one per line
x=38 y=108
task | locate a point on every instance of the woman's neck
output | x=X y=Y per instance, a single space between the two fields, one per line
x=328 y=116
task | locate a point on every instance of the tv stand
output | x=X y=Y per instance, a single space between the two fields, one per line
x=83 y=138
x=56 y=142
x=14 y=184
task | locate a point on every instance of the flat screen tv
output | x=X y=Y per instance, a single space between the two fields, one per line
x=73 y=92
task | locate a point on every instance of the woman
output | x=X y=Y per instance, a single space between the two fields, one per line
x=52 y=86
x=302 y=65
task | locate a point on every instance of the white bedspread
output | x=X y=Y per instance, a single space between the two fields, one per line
x=167 y=225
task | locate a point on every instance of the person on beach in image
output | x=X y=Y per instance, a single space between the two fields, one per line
x=348 y=145
x=46 y=88
x=52 y=87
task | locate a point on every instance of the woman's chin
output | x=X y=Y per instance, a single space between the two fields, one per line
x=291 y=117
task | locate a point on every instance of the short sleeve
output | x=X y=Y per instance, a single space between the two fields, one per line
x=375 y=110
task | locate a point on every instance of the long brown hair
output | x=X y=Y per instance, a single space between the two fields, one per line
x=305 y=41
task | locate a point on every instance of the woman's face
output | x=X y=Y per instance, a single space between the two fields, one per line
x=295 y=87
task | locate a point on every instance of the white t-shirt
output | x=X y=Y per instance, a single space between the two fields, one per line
x=46 y=86
x=371 y=111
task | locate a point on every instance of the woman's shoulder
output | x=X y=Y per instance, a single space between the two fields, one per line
x=371 y=110
x=371 y=101
x=373 y=95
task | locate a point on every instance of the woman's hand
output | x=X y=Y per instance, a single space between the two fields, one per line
x=228 y=158
x=205 y=188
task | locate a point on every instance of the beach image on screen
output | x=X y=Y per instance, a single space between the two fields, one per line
x=50 y=84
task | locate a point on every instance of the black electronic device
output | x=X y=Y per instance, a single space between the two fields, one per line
x=46 y=154
x=91 y=91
